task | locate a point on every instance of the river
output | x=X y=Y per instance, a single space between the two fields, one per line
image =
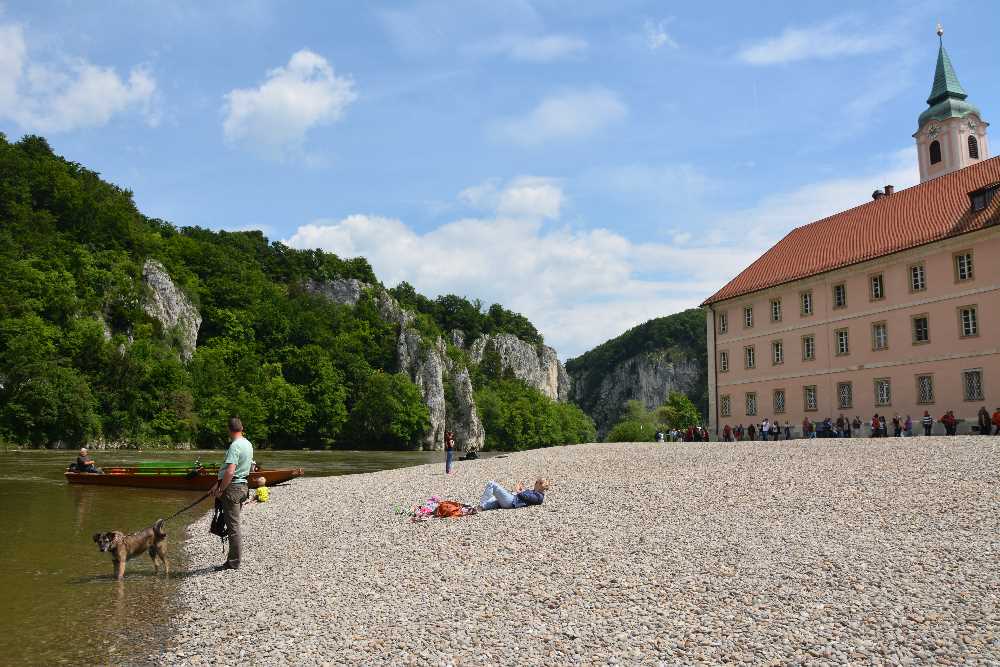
x=60 y=603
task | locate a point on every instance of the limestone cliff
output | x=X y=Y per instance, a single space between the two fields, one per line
x=539 y=368
x=426 y=363
x=645 y=363
x=167 y=304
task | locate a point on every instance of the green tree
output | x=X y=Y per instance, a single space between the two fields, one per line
x=516 y=416
x=678 y=412
x=389 y=414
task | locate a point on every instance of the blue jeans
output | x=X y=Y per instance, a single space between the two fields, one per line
x=496 y=497
x=447 y=461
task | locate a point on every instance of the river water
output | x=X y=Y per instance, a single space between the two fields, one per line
x=59 y=602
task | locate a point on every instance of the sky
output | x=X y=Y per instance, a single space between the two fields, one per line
x=592 y=165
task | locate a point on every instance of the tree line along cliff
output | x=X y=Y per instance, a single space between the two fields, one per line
x=118 y=329
x=645 y=364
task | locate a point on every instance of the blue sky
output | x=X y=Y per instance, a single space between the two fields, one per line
x=592 y=165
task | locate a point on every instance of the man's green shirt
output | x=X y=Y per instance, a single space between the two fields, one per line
x=241 y=453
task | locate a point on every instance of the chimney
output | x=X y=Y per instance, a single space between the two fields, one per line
x=878 y=194
x=889 y=190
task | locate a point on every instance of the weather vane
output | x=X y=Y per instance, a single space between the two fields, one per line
x=940 y=30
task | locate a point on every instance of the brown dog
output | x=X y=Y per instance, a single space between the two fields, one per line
x=123 y=547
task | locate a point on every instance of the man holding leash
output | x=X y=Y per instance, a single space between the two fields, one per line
x=232 y=488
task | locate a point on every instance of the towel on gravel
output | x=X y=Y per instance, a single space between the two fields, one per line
x=440 y=509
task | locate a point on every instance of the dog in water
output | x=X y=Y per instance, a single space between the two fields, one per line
x=123 y=547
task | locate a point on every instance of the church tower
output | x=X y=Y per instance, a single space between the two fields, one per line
x=951 y=133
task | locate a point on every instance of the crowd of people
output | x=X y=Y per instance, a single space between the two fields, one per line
x=690 y=434
x=880 y=426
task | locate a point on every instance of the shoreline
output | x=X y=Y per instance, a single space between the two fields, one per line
x=834 y=550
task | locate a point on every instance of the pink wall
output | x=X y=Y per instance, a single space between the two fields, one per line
x=945 y=356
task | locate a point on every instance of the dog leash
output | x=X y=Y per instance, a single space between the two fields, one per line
x=185 y=509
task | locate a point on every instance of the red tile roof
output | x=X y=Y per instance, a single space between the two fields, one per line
x=934 y=210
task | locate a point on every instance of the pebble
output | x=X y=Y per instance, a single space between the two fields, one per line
x=835 y=551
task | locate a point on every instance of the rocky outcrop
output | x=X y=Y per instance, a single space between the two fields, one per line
x=426 y=363
x=346 y=292
x=167 y=304
x=463 y=420
x=647 y=377
x=539 y=368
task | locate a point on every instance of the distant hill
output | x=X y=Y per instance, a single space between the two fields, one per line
x=117 y=329
x=644 y=363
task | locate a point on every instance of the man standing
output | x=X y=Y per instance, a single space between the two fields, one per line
x=232 y=488
x=927 y=422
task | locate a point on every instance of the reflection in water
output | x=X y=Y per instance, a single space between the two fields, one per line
x=61 y=602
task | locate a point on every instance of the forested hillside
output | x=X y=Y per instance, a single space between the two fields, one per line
x=644 y=364
x=83 y=360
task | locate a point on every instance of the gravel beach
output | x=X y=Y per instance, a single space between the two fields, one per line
x=823 y=551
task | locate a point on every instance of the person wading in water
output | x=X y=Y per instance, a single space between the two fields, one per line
x=232 y=489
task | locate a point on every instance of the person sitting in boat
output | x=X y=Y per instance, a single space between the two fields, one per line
x=84 y=463
x=496 y=497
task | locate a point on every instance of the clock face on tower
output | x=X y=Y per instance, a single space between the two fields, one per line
x=972 y=124
x=933 y=131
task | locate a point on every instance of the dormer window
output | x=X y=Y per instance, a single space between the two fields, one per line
x=973 y=147
x=935 y=151
x=982 y=198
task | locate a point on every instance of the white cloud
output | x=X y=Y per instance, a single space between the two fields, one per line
x=275 y=117
x=565 y=116
x=580 y=287
x=525 y=197
x=584 y=286
x=656 y=35
x=69 y=95
x=841 y=37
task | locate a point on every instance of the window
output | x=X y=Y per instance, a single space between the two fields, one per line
x=972 y=384
x=723 y=322
x=925 y=389
x=748 y=316
x=963 y=265
x=806 y=303
x=935 y=152
x=809 y=397
x=725 y=406
x=779 y=401
x=777 y=352
x=973 y=147
x=968 y=322
x=751 y=403
x=749 y=357
x=843 y=346
x=808 y=348
x=723 y=361
x=845 y=395
x=880 y=336
x=883 y=392
x=877 y=286
x=775 y=310
x=982 y=198
x=918 y=278
x=839 y=295
x=921 y=330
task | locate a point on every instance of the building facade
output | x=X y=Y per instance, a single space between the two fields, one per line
x=892 y=307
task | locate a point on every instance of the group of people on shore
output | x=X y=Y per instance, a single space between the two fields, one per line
x=845 y=427
x=690 y=434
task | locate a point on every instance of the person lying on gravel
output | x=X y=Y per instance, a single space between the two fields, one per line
x=496 y=497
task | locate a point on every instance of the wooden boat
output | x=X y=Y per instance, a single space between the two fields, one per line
x=177 y=477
